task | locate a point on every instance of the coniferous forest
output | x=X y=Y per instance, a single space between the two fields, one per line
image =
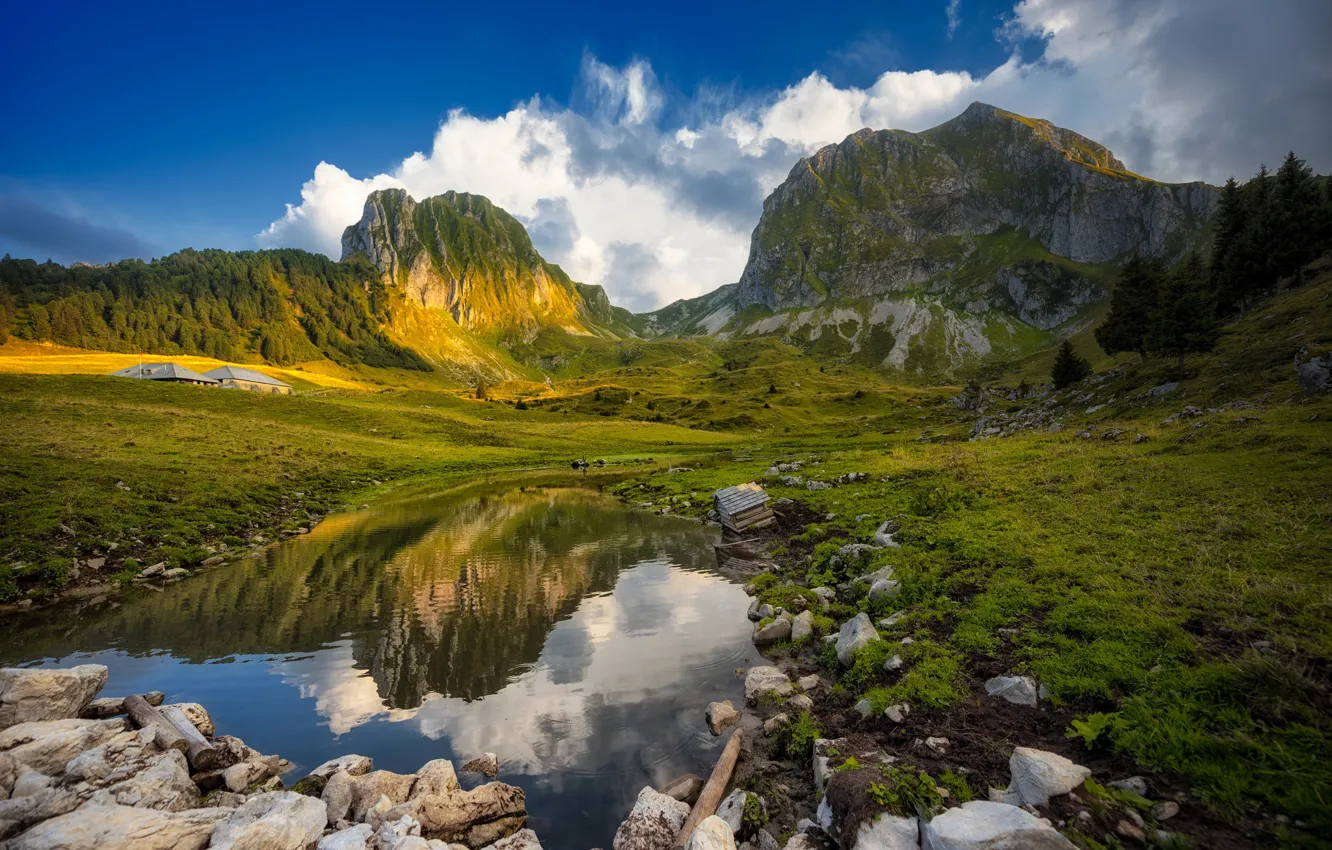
x=284 y=305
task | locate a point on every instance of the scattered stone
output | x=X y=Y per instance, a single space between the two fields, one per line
x=938 y=745
x=891 y=620
x=240 y=776
x=778 y=629
x=802 y=627
x=732 y=810
x=720 y=716
x=800 y=702
x=155 y=570
x=352 y=838
x=1019 y=690
x=353 y=765
x=883 y=535
x=854 y=635
x=818 y=485
x=888 y=832
x=822 y=751
x=279 y=821
x=907 y=641
x=652 y=824
x=775 y=724
x=1039 y=775
x=760 y=681
x=1141 y=438
x=175 y=573
x=28 y=694
x=163 y=783
x=1112 y=434
x=765 y=611
x=92 y=827
x=685 y=789
x=1130 y=830
x=753 y=613
x=898 y=712
x=893 y=664
x=1315 y=375
x=1163 y=389
x=884 y=589
x=476 y=818
x=435 y=777
x=985 y=825
x=486 y=764
x=712 y=834
x=523 y=839
x=808 y=683
x=1136 y=784
x=1165 y=810
x=47 y=745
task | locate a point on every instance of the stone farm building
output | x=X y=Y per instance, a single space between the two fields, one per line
x=169 y=372
x=236 y=378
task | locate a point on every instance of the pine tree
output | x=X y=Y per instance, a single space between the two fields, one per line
x=1296 y=212
x=1227 y=240
x=1255 y=253
x=1132 y=306
x=1185 y=317
x=1069 y=368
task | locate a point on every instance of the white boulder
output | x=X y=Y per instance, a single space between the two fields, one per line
x=652 y=824
x=802 y=628
x=1038 y=776
x=1019 y=690
x=28 y=695
x=94 y=827
x=282 y=820
x=887 y=832
x=712 y=834
x=720 y=716
x=523 y=839
x=352 y=838
x=854 y=635
x=983 y=825
x=353 y=765
x=47 y=745
x=760 y=681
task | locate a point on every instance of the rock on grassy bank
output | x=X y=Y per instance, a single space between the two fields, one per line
x=75 y=775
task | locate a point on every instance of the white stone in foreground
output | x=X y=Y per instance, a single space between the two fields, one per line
x=282 y=820
x=854 y=635
x=712 y=834
x=352 y=838
x=1038 y=776
x=652 y=824
x=760 y=681
x=983 y=825
x=888 y=832
x=122 y=828
x=352 y=765
x=523 y=839
x=28 y=695
x=48 y=745
x=1019 y=690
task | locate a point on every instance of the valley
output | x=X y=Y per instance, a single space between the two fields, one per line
x=1147 y=540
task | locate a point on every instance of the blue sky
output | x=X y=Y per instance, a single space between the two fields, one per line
x=143 y=128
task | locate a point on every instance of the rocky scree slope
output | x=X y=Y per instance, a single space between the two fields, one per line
x=928 y=250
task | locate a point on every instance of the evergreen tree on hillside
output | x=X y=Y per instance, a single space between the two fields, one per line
x=1297 y=210
x=1228 y=232
x=1185 y=320
x=1255 y=268
x=1132 y=306
x=1069 y=368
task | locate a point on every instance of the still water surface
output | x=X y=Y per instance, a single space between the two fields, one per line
x=577 y=640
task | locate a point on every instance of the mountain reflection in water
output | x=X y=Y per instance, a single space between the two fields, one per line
x=578 y=640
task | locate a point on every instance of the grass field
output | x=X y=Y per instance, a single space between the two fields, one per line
x=1173 y=593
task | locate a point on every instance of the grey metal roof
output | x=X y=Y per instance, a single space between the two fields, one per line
x=236 y=373
x=162 y=372
x=741 y=497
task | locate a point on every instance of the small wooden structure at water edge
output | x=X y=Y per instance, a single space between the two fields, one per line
x=742 y=506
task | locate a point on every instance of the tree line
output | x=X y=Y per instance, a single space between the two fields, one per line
x=1263 y=235
x=285 y=305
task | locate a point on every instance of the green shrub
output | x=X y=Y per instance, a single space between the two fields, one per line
x=957 y=786
x=9 y=589
x=906 y=793
x=868 y=666
x=763 y=582
x=799 y=737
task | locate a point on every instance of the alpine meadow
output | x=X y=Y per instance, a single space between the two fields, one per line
x=988 y=503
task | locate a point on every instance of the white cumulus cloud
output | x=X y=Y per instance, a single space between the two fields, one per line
x=657 y=210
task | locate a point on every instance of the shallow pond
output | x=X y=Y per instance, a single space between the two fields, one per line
x=578 y=640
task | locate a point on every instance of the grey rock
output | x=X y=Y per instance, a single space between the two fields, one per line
x=1019 y=690
x=800 y=702
x=802 y=627
x=887 y=832
x=476 y=818
x=985 y=825
x=732 y=810
x=883 y=536
x=282 y=820
x=765 y=611
x=818 y=485
x=712 y=833
x=353 y=765
x=352 y=838
x=778 y=629
x=1136 y=784
x=884 y=589
x=92 y=827
x=47 y=745
x=865 y=708
x=685 y=788
x=760 y=681
x=523 y=839
x=854 y=635
x=436 y=776
x=775 y=724
x=486 y=764
x=30 y=694
x=808 y=683
x=1038 y=775
x=893 y=664
x=154 y=570
x=1315 y=375
x=1165 y=810
x=1163 y=389
x=652 y=824
x=162 y=783
x=721 y=716
x=898 y=712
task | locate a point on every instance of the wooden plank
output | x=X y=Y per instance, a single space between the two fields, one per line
x=711 y=795
x=202 y=755
x=146 y=716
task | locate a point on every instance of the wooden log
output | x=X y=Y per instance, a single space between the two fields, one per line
x=202 y=755
x=104 y=707
x=146 y=716
x=711 y=795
